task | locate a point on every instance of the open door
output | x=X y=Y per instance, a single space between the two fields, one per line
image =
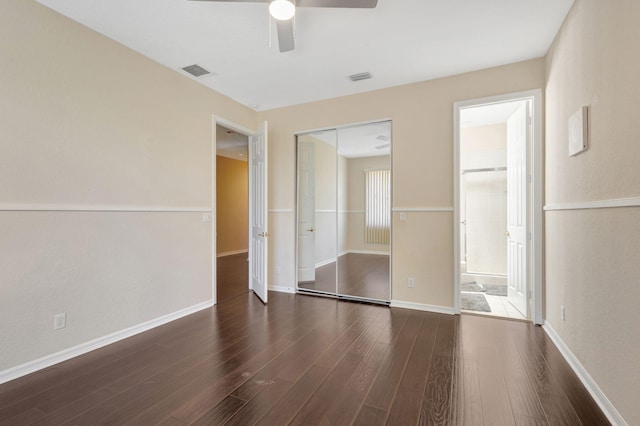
x=258 y=256
x=306 y=211
x=518 y=140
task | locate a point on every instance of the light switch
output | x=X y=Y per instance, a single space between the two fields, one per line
x=403 y=217
x=206 y=217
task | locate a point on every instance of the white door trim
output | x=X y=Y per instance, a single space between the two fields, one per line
x=535 y=209
x=214 y=220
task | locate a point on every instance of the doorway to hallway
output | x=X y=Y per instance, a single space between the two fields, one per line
x=232 y=213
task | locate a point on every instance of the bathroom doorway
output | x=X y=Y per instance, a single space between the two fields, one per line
x=496 y=262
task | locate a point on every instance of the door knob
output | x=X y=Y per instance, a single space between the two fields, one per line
x=311 y=229
x=264 y=234
x=507 y=234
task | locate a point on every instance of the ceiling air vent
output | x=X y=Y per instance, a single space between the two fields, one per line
x=196 y=70
x=361 y=76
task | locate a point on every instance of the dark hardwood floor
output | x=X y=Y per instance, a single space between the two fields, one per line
x=361 y=275
x=232 y=276
x=305 y=360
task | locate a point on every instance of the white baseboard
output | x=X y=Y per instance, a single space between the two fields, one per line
x=231 y=253
x=58 y=357
x=422 y=307
x=325 y=262
x=385 y=253
x=342 y=253
x=601 y=399
x=282 y=289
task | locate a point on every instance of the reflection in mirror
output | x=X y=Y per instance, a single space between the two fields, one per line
x=364 y=211
x=317 y=246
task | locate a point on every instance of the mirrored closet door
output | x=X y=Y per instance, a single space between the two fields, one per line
x=317 y=213
x=344 y=212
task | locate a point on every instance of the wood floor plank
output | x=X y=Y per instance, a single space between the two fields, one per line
x=437 y=400
x=494 y=395
x=75 y=409
x=309 y=345
x=289 y=405
x=344 y=405
x=406 y=407
x=258 y=406
x=24 y=417
x=77 y=386
x=468 y=398
x=575 y=391
x=556 y=406
x=221 y=412
x=384 y=388
x=233 y=276
x=312 y=412
x=337 y=399
x=310 y=360
x=522 y=420
x=171 y=421
x=370 y=416
x=522 y=392
x=349 y=336
x=198 y=395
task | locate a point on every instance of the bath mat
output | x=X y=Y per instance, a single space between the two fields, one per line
x=490 y=289
x=474 y=302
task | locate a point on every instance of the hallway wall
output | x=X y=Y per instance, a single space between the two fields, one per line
x=592 y=265
x=232 y=205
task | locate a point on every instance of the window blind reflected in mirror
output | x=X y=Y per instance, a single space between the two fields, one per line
x=377 y=206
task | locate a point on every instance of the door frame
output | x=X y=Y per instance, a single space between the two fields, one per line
x=217 y=120
x=534 y=208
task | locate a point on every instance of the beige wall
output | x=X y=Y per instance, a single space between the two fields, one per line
x=232 y=205
x=87 y=123
x=422 y=170
x=592 y=254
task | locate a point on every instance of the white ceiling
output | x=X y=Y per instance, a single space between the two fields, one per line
x=231 y=144
x=484 y=115
x=398 y=42
x=367 y=140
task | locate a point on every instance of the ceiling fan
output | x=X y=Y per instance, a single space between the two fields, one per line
x=283 y=11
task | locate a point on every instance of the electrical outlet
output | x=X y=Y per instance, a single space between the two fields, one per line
x=562 y=312
x=59 y=321
x=411 y=283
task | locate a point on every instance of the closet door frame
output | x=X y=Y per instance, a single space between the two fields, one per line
x=337 y=129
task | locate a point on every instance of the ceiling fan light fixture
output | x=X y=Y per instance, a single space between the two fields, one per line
x=282 y=10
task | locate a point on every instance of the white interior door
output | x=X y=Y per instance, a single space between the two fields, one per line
x=518 y=139
x=306 y=211
x=258 y=256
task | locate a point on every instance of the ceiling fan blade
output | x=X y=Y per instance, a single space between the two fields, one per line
x=364 y=4
x=285 y=35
